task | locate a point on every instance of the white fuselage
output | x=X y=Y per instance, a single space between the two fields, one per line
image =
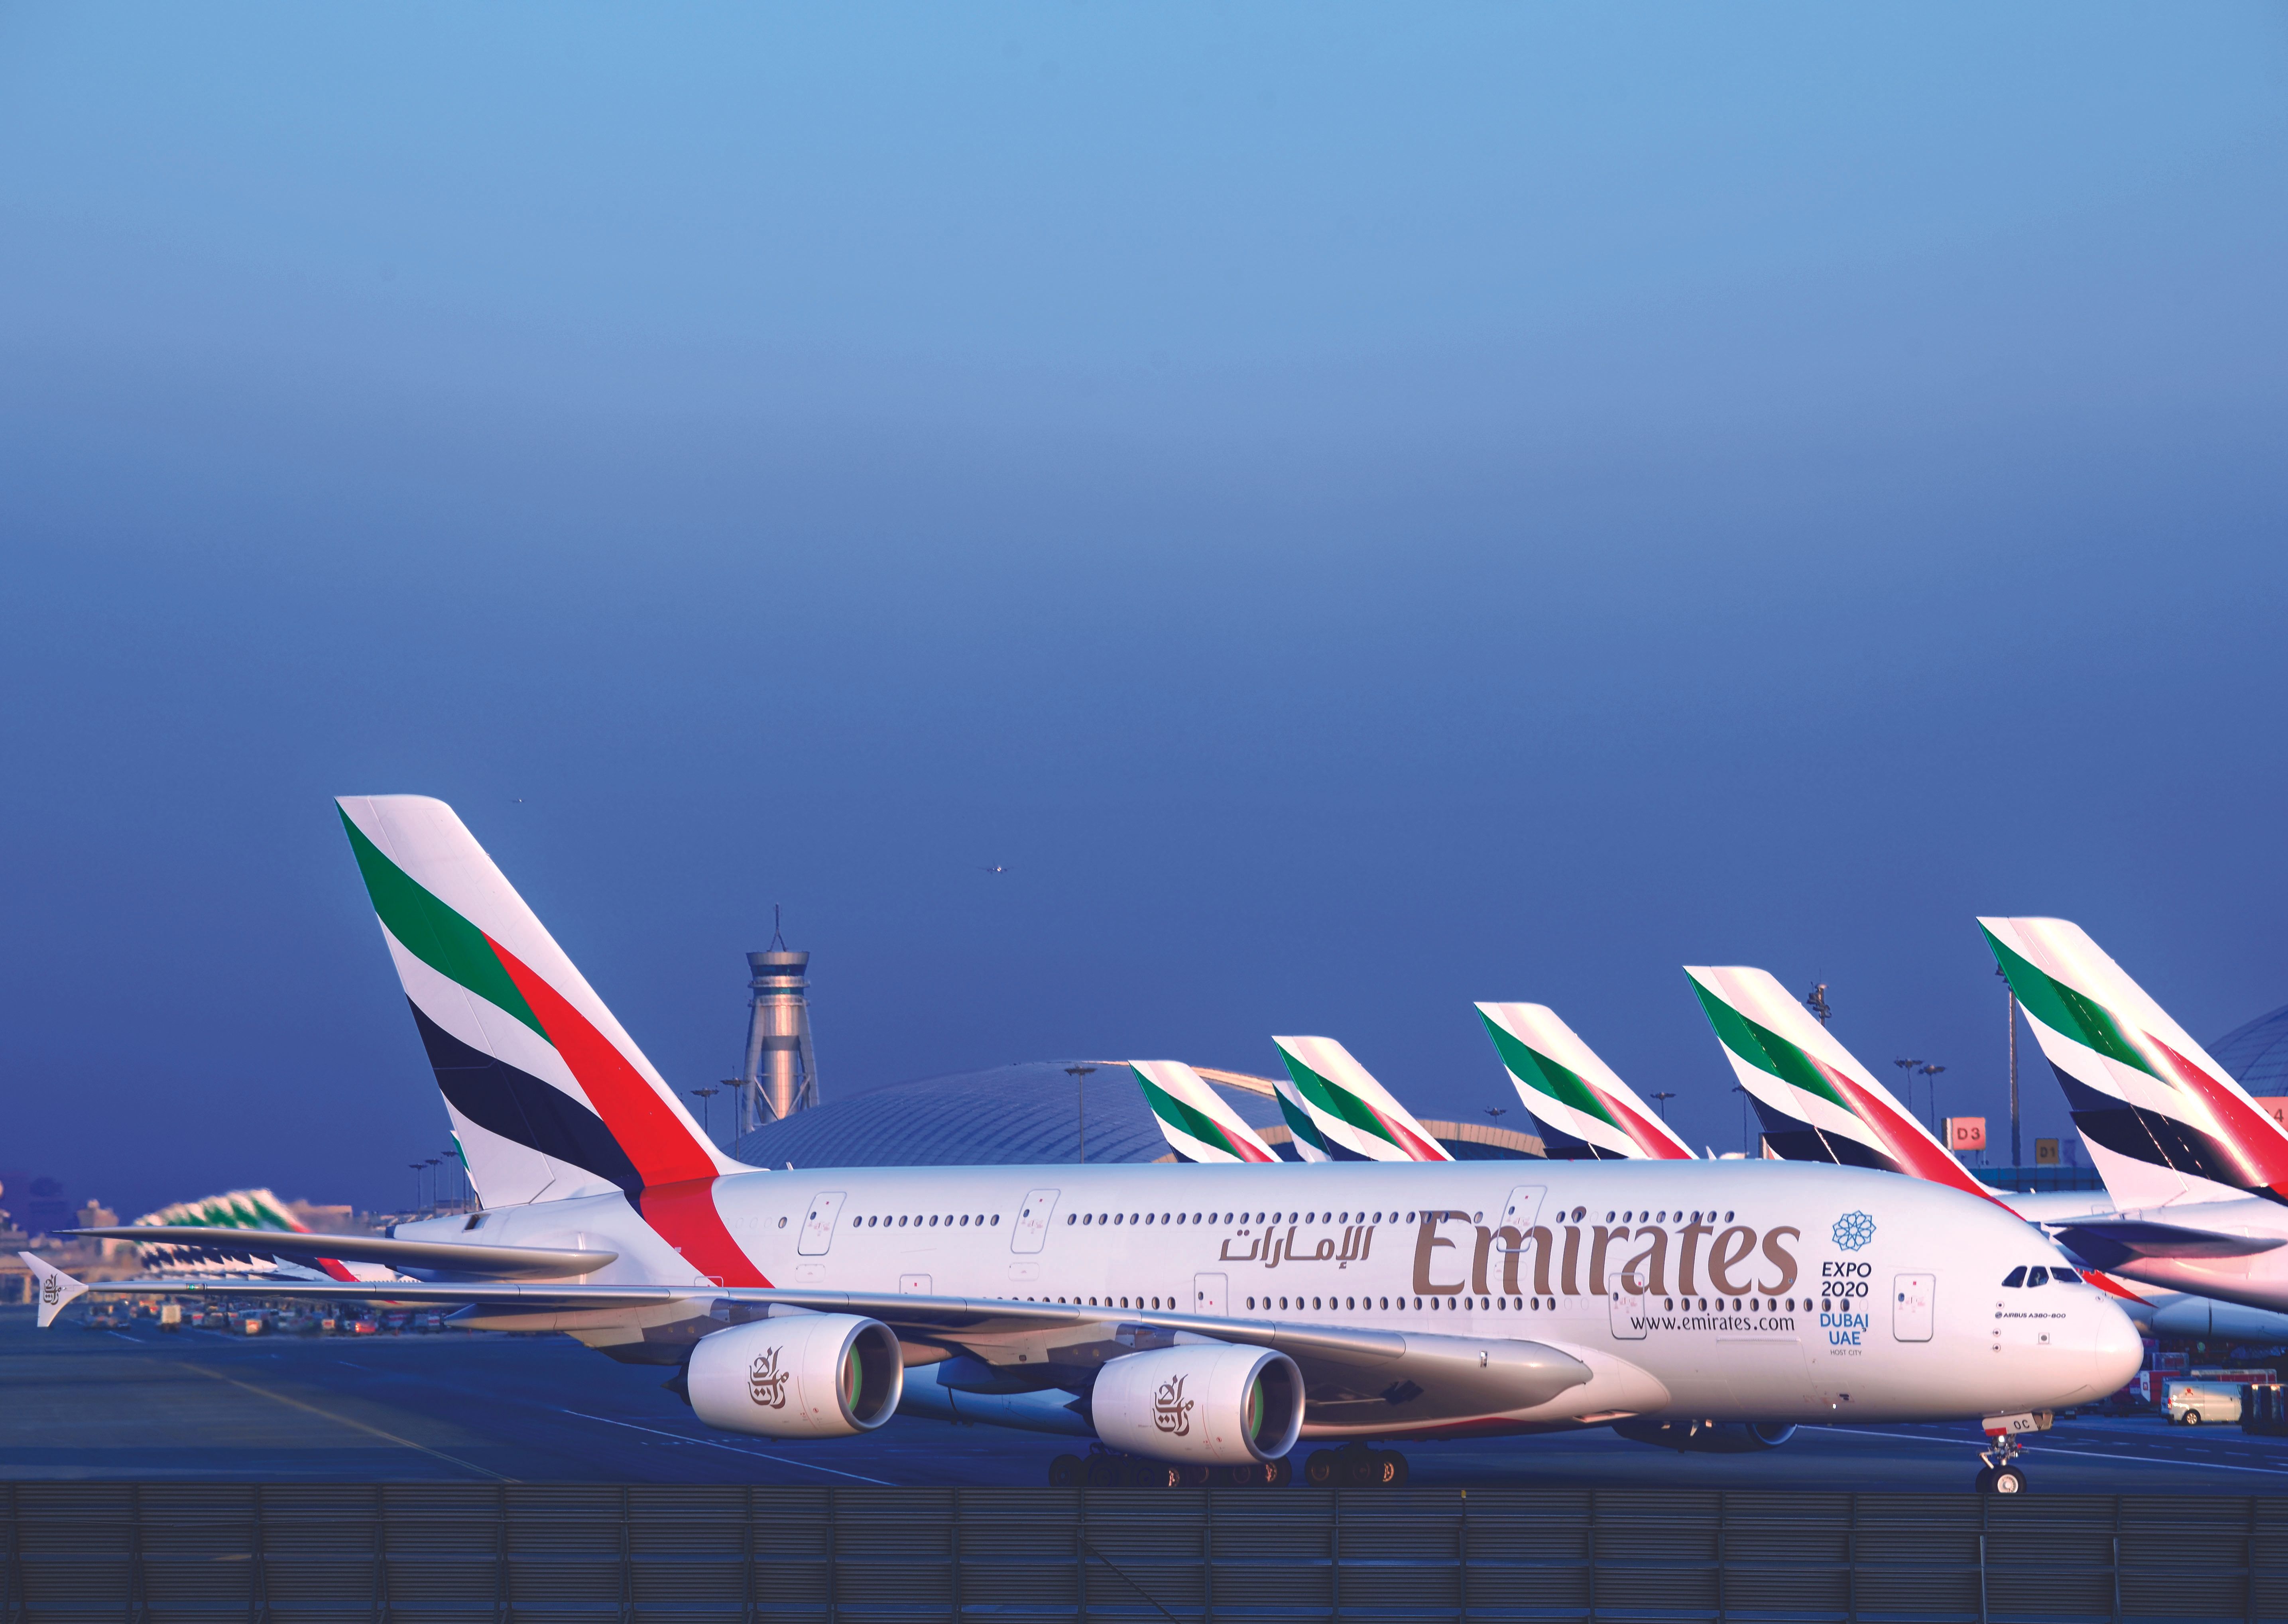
x=1746 y=1290
x=2256 y=1279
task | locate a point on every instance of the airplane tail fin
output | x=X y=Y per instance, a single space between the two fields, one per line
x=1353 y=1117
x=51 y=1289
x=1818 y=1102
x=549 y=1096
x=1584 y=1109
x=1195 y=1120
x=2162 y=1120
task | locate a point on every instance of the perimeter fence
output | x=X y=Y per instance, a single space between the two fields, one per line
x=442 y=1553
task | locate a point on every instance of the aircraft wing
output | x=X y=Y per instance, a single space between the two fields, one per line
x=2109 y=1241
x=1401 y=1377
x=497 y=1263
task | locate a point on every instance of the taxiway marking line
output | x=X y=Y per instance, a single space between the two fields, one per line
x=123 y=1336
x=328 y=1415
x=685 y=1439
x=2071 y=1452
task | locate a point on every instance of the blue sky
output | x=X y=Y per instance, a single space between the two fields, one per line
x=1360 y=509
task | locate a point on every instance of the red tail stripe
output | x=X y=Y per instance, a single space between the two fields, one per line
x=1902 y=1140
x=655 y=1139
x=1649 y=1138
x=2252 y=1139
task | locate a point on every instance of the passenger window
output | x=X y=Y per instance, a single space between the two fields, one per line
x=2038 y=1276
x=2016 y=1276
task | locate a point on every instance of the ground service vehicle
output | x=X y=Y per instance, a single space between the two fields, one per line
x=1206 y=1316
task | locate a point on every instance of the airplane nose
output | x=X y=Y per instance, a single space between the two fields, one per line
x=2115 y=1349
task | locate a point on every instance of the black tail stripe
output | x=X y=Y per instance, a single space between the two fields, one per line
x=520 y=1107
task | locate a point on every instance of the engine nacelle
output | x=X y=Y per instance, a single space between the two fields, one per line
x=801 y=1375
x=1214 y=1403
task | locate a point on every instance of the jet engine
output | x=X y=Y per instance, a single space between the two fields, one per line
x=1709 y=1436
x=802 y=1376
x=1201 y=1402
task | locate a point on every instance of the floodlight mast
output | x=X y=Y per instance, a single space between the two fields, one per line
x=1079 y=1074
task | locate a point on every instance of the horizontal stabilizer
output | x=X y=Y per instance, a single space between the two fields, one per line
x=51 y=1289
x=496 y=1263
x=2107 y=1243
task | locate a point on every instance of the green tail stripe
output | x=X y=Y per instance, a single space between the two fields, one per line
x=1192 y=1121
x=2061 y=1009
x=435 y=934
x=1537 y=1070
x=1338 y=1102
x=1765 y=1049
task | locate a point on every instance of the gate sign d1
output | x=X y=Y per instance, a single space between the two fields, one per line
x=1966 y=1133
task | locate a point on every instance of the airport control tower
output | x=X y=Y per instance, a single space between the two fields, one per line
x=781 y=1072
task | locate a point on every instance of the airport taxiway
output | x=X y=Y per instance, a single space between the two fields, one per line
x=142 y=1404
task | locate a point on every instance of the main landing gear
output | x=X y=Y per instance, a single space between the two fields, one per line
x=1355 y=1466
x=1107 y=1468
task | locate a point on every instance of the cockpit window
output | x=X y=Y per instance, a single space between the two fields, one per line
x=2038 y=1276
x=2064 y=1275
x=2016 y=1276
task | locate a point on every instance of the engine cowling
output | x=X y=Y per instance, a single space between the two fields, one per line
x=802 y=1376
x=1200 y=1402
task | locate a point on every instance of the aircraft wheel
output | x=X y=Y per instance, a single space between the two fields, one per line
x=1199 y=1477
x=1319 y=1469
x=1361 y=1468
x=1984 y=1481
x=1393 y=1466
x=1280 y=1473
x=1158 y=1475
x=2006 y=1480
x=2192 y=1418
x=1102 y=1471
x=1065 y=1472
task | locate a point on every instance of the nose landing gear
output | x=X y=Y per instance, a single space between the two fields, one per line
x=2001 y=1473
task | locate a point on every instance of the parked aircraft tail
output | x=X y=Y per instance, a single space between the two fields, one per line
x=549 y=1096
x=1816 y=1101
x=1585 y=1110
x=1195 y=1120
x=2164 y=1122
x=1338 y=1111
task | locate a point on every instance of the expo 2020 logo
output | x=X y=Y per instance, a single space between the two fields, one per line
x=1853 y=1229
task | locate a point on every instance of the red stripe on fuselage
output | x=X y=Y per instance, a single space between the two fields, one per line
x=654 y=1136
x=686 y=1217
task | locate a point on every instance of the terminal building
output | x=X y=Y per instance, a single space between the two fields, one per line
x=1036 y=1111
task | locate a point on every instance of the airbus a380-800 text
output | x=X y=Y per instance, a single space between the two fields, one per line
x=1197 y=1317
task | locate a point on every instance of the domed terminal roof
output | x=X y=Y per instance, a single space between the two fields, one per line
x=1024 y=1115
x=2257 y=1054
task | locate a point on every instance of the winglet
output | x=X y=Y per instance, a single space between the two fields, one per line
x=54 y=1287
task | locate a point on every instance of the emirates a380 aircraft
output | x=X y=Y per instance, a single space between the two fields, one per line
x=1201 y=1318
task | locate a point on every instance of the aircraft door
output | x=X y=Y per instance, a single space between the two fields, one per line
x=1914 y=1299
x=1211 y=1293
x=818 y=1228
x=1628 y=1317
x=1523 y=1208
x=1032 y=1226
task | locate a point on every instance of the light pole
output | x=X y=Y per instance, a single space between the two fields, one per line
x=1907 y=1069
x=706 y=1098
x=1931 y=1072
x=417 y=1167
x=1663 y=1095
x=1816 y=1001
x=432 y=1164
x=1742 y=1090
x=451 y=1156
x=2013 y=1064
x=1079 y=1074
